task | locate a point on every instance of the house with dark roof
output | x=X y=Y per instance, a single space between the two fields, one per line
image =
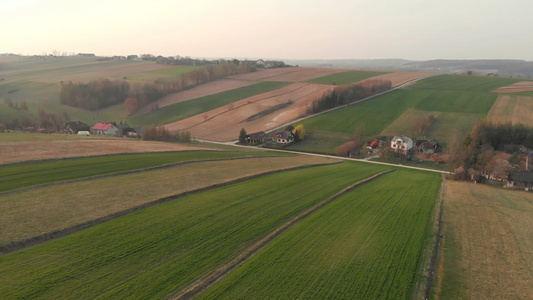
x=73 y=127
x=424 y=145
x=521 y=180
x=104 y=129
x=283 y=137
x=255 y=138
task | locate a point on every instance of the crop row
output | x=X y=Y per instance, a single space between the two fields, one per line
x=365 y=245
x=153 y=252
x=18 y=176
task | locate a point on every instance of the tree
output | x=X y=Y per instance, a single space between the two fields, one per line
x=242 y=136
x=299 y=132
x=131 y=105
x=24 y=106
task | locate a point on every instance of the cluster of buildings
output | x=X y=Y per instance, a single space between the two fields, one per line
x=101 y=128
x=281 y=137
x=404 y=145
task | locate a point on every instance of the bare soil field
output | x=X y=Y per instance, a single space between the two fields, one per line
x=207 y=89
x=223 y=124
x=523 y=86
x=491 y=232
x=294 y=74
x=43 y=210
x=48 y=149
x=515 y=109
x=399 y=78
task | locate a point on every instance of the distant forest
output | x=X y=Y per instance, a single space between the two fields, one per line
x=102 y=93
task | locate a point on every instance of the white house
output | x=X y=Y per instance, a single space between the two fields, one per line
x=284 y=137
x=401 y=144
x=105 y=129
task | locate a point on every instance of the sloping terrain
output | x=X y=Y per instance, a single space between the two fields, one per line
x=522 y=86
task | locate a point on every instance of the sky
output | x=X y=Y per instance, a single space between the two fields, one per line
x=272 y=29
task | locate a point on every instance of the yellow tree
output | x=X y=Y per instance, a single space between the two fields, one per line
x=299 y=132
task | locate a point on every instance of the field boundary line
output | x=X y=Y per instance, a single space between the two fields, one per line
x=33 y=241
x=97 y=177
x=203 y=283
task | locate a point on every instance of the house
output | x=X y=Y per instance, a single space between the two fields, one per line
x=521 y=180
x=255 y=138
x=125 y=130
x=424 y=145
x=401 y=144
x=73 y=127
x=283 y=137
x=497 y=167
x=105 y=129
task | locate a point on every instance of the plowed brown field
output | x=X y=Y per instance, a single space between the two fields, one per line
x=492 y=234
x=223 y=124
x=523 y=86
x=49 y=149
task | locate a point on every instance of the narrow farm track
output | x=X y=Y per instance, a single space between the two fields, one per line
x=202 y=284
x=18 y=245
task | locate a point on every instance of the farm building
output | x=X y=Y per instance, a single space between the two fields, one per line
x=283 y=137
x=104 y=129
x=424 y=145
x=74 y=127
x=521 y=180
x=255 y=138
x=498 y=167
x=401 y=144
x=125 y=130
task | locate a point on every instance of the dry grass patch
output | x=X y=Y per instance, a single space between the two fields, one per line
x=28 y=214
x=491 y=235
x=515 y=109
x=224 y=123
x=292 y=74
x=16 y=151
x=522 y=86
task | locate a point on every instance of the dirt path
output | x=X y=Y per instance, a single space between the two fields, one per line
x=202 y=284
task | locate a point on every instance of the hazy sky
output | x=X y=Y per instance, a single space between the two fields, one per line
x=286 y=29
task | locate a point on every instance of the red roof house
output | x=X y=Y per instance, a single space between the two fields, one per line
x=104 y=128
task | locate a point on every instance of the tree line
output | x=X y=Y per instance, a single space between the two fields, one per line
x=160 y=133
x=102 y=93
x=504 y=137
x=347 y=94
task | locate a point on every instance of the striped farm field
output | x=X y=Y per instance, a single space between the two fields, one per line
x=16 y=176
x=28 y=214
x=347 y=77
x=366 y=244
x=512 y=109
x=182 y=110
x=158 y=251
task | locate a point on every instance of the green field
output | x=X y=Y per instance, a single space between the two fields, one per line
x=366 y=244
x=155 y=252
x=347 y=77
x=183 y=110
x=464 y=83
x=458 y=100
x=16 y=176
x=171 y=73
